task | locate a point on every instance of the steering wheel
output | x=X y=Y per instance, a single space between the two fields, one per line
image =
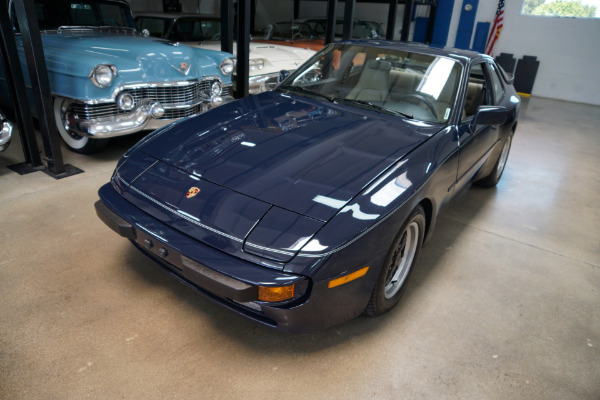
x=216 y=36
x=297 y=35
x=421 y=99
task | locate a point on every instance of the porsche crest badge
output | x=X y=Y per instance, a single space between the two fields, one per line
x=192 y=192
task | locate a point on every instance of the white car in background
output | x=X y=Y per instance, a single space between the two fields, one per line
x=204 y=31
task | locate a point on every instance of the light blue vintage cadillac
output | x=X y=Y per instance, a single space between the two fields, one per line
x=108 y=80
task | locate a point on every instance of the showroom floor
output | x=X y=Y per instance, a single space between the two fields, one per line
x=504 y=304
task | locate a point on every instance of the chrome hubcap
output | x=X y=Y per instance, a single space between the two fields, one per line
x=402 y=260
x=503 y=158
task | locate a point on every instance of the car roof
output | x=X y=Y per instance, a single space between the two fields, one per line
x=463 y=56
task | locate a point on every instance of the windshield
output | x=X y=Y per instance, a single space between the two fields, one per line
x=52 y=14
x=185 y=29
x=360 y=29
x=414 y=85
x=287 y=30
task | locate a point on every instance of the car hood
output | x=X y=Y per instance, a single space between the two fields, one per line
x=298 y=154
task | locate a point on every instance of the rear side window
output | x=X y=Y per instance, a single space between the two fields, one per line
x=497 y=87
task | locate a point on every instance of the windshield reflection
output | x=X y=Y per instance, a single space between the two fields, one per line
x=410 y=85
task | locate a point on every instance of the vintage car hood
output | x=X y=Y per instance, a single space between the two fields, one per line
x=137 y=59
x=295 y=153
x=152 y=54
x=276 y=57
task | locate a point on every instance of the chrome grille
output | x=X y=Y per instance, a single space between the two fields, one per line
x=170 y=97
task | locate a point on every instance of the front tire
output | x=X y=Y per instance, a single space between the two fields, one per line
x=76 y=143
x=404 y=251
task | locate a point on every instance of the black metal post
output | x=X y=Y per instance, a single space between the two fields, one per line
x=16 y=86
x=348 y=19
x=227 y=26
x=431 y=23
x=252 y=16
x=38 y=74
x=330 y=26
x=243 y=48
x=408 y=8
x=391 y=25
x=296 y=9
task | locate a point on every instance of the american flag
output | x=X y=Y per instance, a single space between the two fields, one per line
x=496 y=28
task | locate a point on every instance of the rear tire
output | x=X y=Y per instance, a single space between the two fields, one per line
x=76 y=143
x=494 y=177
x=404 y=251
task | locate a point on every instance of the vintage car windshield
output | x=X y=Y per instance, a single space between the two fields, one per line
x=414 y=85
x=185 y=29
x=287 y=30
x=360 y=29
x=53 y=14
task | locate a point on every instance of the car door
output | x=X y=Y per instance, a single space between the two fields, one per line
x=475 y=144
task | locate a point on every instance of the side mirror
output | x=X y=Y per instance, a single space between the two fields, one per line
x=145 y=32
x=489 y=115
x=283 y=74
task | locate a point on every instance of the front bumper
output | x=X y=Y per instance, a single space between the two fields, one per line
x=153 y=105
x=231 y=281
x=262 y=83
x=147 y=116
x=5 y=133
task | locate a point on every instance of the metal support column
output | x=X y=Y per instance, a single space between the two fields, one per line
x=408 y=8
x=348 y=19
x=330 y=26
x=391 y=25
x=16 y=87
x=243 y=48
x=227 y=26
x=296 y=9
x=431 y=24
x=38 y=75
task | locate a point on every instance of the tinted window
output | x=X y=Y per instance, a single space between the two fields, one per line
x=478 y=92
x=496 y=84
x=52 y=14
x=157 y=27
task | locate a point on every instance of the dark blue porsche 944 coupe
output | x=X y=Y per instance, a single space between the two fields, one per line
x=307 y=206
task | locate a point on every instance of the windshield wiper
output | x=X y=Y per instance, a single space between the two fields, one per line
x=376 y=107
x=308 y=91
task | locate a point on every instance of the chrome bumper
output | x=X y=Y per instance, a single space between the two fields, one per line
x=144 y=117
x=5 y=134
x=262 y=83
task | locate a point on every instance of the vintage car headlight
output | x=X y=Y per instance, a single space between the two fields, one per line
x=252 y=65
x=227 y=65
x=102 y=75
x=125 y=101
x=260 y=63
x=215 y=89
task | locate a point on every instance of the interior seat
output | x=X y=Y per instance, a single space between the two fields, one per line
x=374 y=82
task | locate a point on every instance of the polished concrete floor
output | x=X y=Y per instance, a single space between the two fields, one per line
x=504 y=304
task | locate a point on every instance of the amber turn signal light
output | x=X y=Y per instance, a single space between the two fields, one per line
x=347 y=278
x=275 y=293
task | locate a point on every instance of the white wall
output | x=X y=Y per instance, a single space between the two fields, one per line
x=567 y=49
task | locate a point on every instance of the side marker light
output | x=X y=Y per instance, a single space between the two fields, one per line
x=347 y=278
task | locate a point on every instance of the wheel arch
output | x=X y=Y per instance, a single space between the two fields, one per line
x=427 y=206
